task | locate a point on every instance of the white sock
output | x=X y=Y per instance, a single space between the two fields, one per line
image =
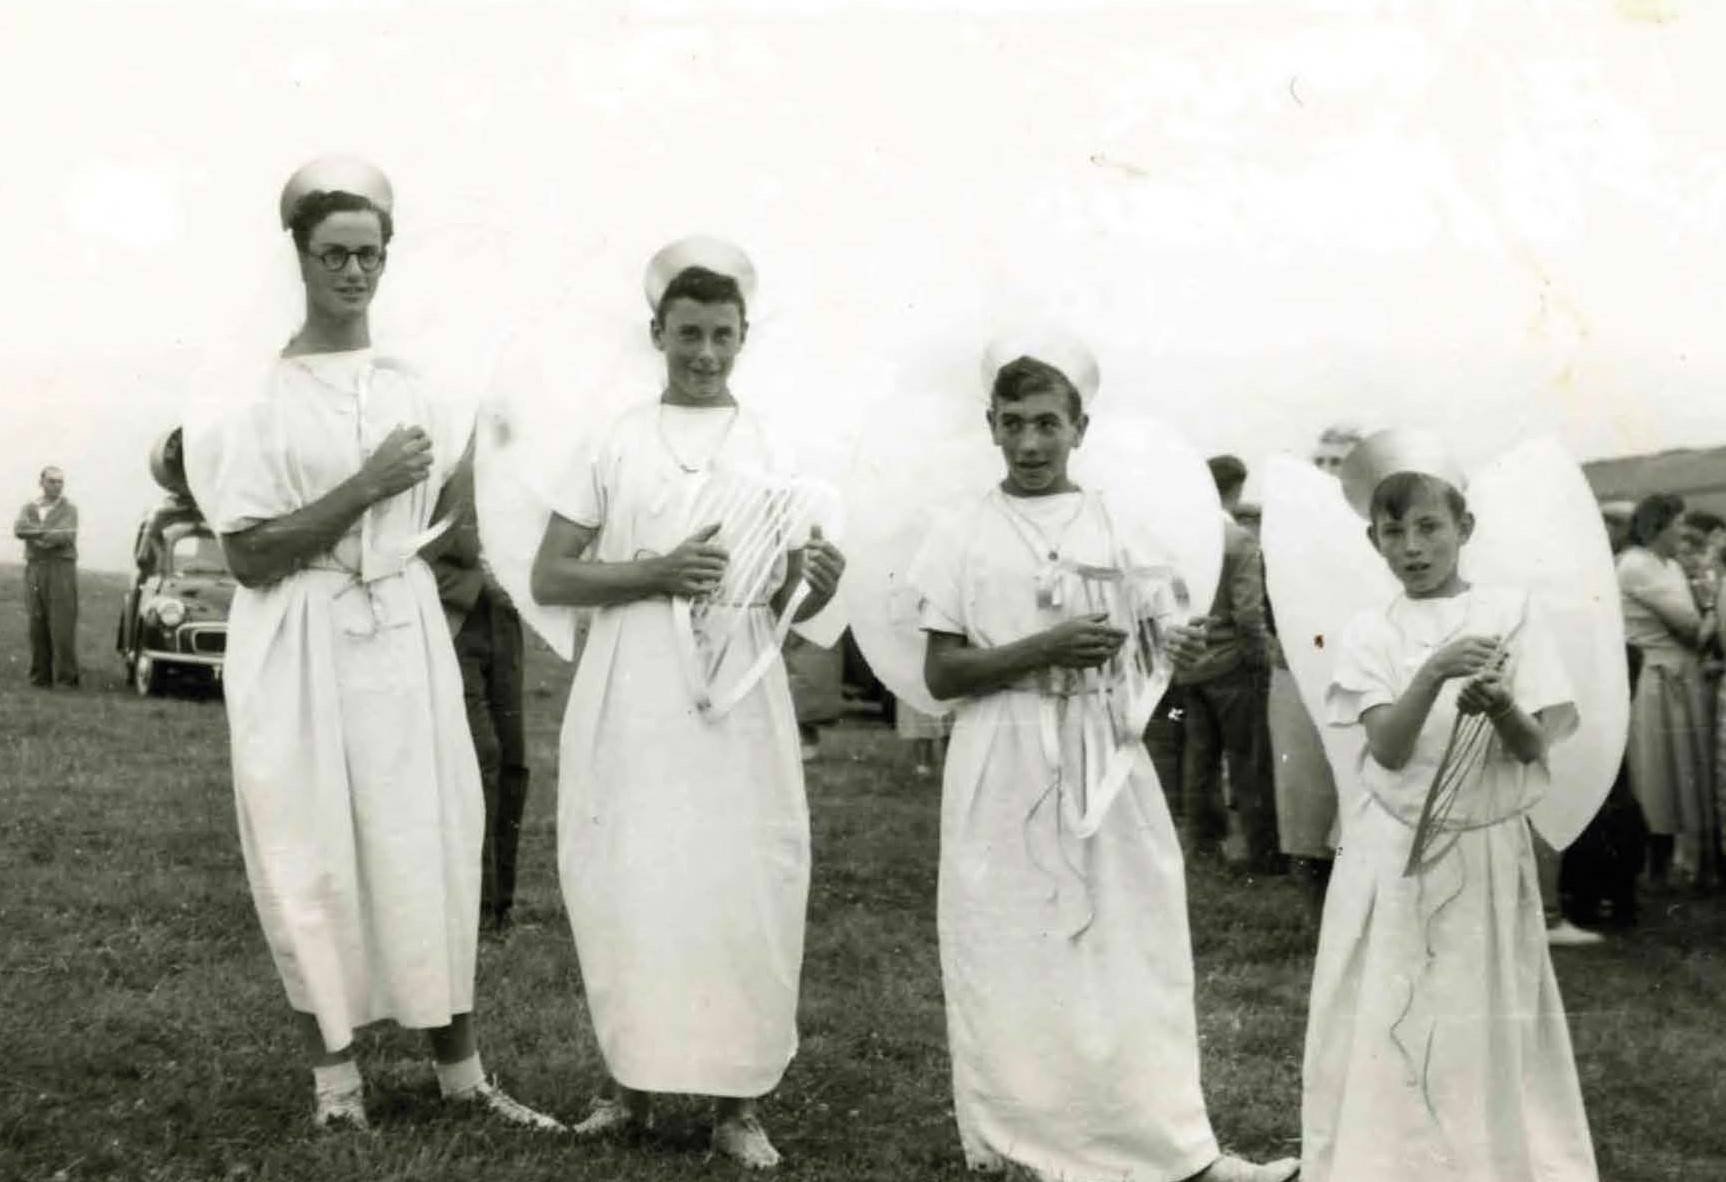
x=338 y=1079
x=455 y=1079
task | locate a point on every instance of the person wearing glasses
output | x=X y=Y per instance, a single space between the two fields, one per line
x=356 y=784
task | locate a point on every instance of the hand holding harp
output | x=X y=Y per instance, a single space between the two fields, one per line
x=730 y=568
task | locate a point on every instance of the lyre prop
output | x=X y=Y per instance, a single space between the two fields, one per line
x=1113 y=702
x=762 y=519
x=1470 y=742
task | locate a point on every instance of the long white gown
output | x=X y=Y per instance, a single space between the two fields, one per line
x=358 y=794
x=1066 y=962
x=683 y=842
x=1437 y=1049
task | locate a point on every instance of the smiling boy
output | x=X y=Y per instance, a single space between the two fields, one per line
x=1065 y=958
x=683 y=838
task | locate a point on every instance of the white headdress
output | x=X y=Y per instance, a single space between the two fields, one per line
x=1054 y=347
x=698 y=250
x=1391 y=453
x=336 y=174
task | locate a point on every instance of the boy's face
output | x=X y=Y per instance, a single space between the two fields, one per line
x=700 y=343
x=1035 y=434
x=1423 y=545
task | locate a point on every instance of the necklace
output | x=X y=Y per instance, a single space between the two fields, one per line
x=1043 y=547
x=688 y=468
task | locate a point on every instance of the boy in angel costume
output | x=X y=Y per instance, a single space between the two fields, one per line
x=683 y=833
x=1437 y=1047
x=1062 y=908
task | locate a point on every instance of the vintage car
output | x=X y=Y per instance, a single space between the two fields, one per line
x=175 y=617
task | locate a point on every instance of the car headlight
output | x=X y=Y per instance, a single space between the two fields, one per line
x=169 y=611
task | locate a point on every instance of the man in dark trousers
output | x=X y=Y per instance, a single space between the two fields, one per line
x=48 y=527
x=1224 y=697
x=488 y=643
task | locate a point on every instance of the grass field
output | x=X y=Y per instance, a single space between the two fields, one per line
x=143 y=1033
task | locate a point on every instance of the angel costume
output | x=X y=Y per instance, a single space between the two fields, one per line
x=1437 y=1045
x=683 y=840
x=358 y=794
x=1065 y=960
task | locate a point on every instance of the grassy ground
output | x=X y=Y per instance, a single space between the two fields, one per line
x=143 y=1033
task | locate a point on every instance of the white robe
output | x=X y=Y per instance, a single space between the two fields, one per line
x=360 y=810
x=683 y=842
x=1437 y=1047
x=1075 y=1054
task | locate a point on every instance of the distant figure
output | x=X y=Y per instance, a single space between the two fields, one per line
x=1225 y=697
x=486 y=629
x=49 y=529
x=168 y=466
x=1334 y=446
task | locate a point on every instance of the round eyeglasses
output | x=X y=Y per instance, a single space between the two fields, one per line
x=335 y=258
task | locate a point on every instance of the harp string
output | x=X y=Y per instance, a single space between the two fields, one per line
x=758 y=517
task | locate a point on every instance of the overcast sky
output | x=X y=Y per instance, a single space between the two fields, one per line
x=1495 y=219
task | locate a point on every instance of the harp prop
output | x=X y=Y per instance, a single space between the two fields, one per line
x=1111 y=705
x=762 y=519
x=1471 y=738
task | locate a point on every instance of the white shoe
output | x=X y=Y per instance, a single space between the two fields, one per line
x=1229 y=1168
x=609 y=1117
x=744 y=1140
x=1565 y=934
x=499 y=1103
x=342 y=1110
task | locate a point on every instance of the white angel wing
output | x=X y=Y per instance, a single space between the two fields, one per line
x=1539 y=528
x=1320 y=572
x=1161 y=494
x=917 y=463
x=560 y=381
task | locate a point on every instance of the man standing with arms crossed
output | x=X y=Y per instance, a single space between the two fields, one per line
x=49 y=529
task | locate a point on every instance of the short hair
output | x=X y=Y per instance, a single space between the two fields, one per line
x=1025 y=377
x=55 y=469
x=1228 y=472
x=704 y=287
x=311 y=210
x=1703 y=520
x=1397 y=493
x=1653 y=513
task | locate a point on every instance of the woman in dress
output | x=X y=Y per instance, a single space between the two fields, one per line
x=1667 y=754
x=356 y=785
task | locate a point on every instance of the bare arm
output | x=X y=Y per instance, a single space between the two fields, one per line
x=1523 y=735
x=822 y=564
x=1392 y=730
x=271 y=550
x=955 y=668
x=563 y=578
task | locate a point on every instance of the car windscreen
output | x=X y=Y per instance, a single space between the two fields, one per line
x=198 y=554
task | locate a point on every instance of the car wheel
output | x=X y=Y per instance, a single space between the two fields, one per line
x=146 y=677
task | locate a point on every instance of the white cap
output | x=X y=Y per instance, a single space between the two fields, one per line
x=337 y=174
x=1379 y=457
x=710 y=254
x=1052 y=346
